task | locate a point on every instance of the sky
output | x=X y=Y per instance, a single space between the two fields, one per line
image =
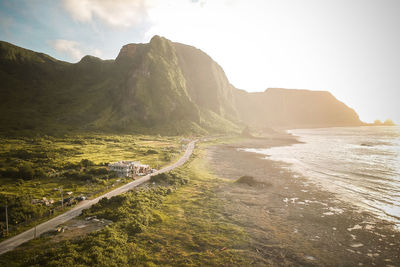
x=347 y=47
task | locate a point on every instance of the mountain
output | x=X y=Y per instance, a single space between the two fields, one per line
x=143 y=90
x=206 y=81
x=159 y=87
x=289 y=108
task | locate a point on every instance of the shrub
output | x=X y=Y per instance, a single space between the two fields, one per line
x=10 y=172
x=86 y=163
x=70 y=165
x=151 y=151
x=20 y=209
x=131 y=213
x=168 y=178
x=25 y=171
x=112 y=174
x=98 y=171
x=77 y=175
x=40 y=173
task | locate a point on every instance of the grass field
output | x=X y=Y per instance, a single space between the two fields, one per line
x=194 y=230
x=34 y=168
x=177 y=221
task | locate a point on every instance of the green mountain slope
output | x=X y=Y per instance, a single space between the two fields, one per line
x=143 y=90
x=159 y=87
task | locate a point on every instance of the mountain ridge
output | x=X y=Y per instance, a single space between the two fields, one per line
x=159 y=87
x=294 y=108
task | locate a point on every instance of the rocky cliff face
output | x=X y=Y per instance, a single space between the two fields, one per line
x=206 y=81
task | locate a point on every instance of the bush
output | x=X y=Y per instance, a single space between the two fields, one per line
x=10 y=172
x=86 y=163
x=20 y=209
x=133 y=207
x=70 y=165
x=112 y=174
x=98 y=181
x=40 y=173
x=98 y=171
x=168 y=178
x=27 y=154
x=131 y=213
x=77 y=175
x=25 y=171
x=151 y=151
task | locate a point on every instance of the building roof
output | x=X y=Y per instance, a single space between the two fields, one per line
x=124 y=163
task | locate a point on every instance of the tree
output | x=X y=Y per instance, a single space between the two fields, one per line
x=26 y=171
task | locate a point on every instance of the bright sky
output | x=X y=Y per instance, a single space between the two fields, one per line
x=349 y=47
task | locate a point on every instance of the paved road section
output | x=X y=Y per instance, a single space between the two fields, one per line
x=15 y=241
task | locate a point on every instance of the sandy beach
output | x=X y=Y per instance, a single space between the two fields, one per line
x=291 y=221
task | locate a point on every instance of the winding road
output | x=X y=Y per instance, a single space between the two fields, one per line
x=15 y=241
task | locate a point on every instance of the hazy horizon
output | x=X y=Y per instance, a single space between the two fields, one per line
x=347 y=48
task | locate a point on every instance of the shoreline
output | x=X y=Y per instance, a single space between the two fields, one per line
x=295 y=218
x=325 y=185
x=339 y=188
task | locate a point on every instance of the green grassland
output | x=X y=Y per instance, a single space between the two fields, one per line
x=33 y=168
x=176 y=220
x=194 y=230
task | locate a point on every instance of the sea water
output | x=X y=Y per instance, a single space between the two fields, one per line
x=360 y=164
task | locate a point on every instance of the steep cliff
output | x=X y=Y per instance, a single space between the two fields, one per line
x=206 y=81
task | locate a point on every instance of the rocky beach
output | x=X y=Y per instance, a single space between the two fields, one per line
x=292 y=221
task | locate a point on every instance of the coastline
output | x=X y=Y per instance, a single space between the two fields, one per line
x=290 y=220
x=278 y=220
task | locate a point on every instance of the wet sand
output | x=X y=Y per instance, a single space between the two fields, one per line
x=292 y=222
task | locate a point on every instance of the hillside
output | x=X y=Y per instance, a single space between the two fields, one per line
x=144 y=90
x=206 y=81
x=289 y=108
x=158 y=88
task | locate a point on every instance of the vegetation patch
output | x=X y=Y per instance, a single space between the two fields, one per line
x=36 y=171
x=251 y=181
x=195 y=230
x=168 y=179
x=176 y=220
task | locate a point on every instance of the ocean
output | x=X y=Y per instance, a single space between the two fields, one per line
x=360 y=165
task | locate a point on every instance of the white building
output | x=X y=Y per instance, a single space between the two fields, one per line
x=129 y=168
